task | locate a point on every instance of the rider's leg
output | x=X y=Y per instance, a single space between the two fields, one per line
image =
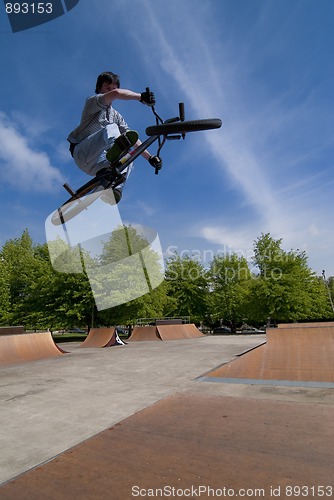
x=121 y=145
x=90 y=154
x=113 y=196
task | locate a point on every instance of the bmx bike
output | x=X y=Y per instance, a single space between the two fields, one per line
x=112 y=176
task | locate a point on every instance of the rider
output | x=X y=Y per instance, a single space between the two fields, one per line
x=103 y=135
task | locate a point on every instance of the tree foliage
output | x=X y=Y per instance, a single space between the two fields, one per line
x=286 y=289
x=133 y=277
x=230 y=280
x=5 y=295
x=283 y=287
x=39 y=296
x=187 y=286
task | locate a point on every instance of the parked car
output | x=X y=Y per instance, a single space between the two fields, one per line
x=221 y=330
x=77 y=330
x=246 y=330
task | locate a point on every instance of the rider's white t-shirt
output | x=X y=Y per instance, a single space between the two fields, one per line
x=96 y=115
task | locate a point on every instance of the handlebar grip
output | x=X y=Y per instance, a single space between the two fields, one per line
x=181 y=111
x=148 y=90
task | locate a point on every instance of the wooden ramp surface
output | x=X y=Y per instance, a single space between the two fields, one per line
x=305 y=325
x=178 y=332
x=144 y=333
x=27 y=347
x=187 y=442
x=11 y=330
x=100 y=337
x=291 y=354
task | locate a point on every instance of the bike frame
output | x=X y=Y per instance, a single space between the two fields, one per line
x=120 y=167
x=113 y=175
x=109 y=177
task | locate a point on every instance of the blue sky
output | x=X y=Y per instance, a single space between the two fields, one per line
x=265 y=67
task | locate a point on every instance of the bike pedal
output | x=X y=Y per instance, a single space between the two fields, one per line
x=123 y=142
x=103 y=172
x=69 y=189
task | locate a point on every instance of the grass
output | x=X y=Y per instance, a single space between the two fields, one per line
x=75 y=337
x=69 y=337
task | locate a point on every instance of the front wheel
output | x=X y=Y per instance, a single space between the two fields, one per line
x=85 y=196
x=184 y=127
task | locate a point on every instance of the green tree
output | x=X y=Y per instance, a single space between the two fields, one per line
x=151 y=305
x=127 y=268
x=5 y=304
x=187 y=283
x=331 y=287
x=329 y=283
x=19 y=260
x=129 y=274
x=230 y=279
x=285 y=289
x=60 y=299
x=39 y=296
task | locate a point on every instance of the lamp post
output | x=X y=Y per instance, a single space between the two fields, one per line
x=328 y=290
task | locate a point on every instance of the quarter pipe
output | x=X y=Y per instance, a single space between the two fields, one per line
x=165 y=332
x=144 y=333
x=102 y=337
x=27 y=347
x=290 y=354
x=178 y=332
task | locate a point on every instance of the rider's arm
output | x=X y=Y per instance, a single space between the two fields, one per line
x=122 y=94
x=155 y=161
x=146 y=154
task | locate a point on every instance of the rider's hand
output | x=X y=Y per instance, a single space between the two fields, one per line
x=156 y=162
x=147 y=98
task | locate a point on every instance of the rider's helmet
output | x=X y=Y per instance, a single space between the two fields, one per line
x=107 y=76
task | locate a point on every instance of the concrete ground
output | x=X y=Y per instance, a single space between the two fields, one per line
x=49 y=406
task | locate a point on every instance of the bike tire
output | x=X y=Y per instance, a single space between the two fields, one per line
x=84 y=197
x=183 y=127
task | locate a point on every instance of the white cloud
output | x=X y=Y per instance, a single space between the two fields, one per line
x=275 y=142
x=230 y=241
x=22 y=165
x=207 y=87
x=32 y=126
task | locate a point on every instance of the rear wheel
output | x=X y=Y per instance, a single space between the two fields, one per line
x=84 y=197
x=183 y=127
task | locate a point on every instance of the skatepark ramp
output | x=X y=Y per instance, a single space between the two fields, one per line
x=140 y=333
x=165 y=332
x=178 y=332
x=305 y=325
x=102 y=337
x=296 y=355
x=22 y=347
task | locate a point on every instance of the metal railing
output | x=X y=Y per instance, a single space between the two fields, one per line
x=152 y=321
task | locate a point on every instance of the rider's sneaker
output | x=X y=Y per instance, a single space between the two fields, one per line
x=111 y=196
x=122 y=145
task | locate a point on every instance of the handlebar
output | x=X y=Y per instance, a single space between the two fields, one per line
x=181 y=111
x=159 y=120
